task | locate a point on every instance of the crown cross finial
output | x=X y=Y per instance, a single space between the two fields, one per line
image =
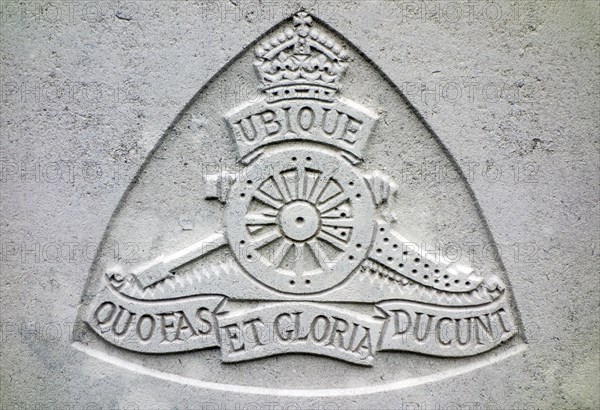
x=301 y=21
x=300 y=63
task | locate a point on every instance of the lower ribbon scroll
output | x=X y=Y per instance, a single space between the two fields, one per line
x=248 y=330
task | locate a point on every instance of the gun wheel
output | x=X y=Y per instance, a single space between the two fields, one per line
x=300 y=221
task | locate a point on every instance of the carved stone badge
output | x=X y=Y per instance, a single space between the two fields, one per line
x=303 y=247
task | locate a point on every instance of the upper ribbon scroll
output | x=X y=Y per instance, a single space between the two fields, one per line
x=300 y=69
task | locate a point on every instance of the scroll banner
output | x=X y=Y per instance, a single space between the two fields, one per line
x=251 y=330
x=163 y=326
x=343 y=124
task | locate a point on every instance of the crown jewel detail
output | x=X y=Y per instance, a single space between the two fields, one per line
x=300 y=63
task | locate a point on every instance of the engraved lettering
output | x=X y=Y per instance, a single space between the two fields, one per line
x=149 y=327
x=183 y=325
x=485 y=325
x=330 y=124
x=125 y=326
x=351 y=130
x=271 y=125
x=206 y=324
x=353 y=335
x=467 y=326
x=441 y=330
x=247 y=128
x=340 y=326
x=421 y=333
x=500 y=315
x=314 y=327
x=252 y=325
x=112 y=309
x=306 y=118
x=287 y=130
x=365 y=345
x=233 y=334
x=285 y=335
x=398 y=322
x=167 y=321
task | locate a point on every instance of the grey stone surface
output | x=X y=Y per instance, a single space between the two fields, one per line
x=506 y=91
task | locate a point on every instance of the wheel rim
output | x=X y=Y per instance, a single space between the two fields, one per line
x=302 y=223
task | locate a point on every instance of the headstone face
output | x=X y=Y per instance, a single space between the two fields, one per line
x=307 y=244
x=323 y=205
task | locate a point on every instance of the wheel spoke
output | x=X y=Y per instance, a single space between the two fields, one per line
x=267 y=200
x=281 y=251
x=260 y=219
x=314 y=247
x=267 y=239
x=282 y=186
x=300 y=258
x=339 y=222
x=333 y=241
x=319 y=186
x=332 y=203
x=269 y=212
x=301 y=182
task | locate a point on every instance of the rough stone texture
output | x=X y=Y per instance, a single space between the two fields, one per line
x=89 y=88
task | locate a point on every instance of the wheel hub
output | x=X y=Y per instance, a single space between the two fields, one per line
x=299 y=220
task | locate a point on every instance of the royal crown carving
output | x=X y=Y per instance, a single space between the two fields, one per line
x=300 y=63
